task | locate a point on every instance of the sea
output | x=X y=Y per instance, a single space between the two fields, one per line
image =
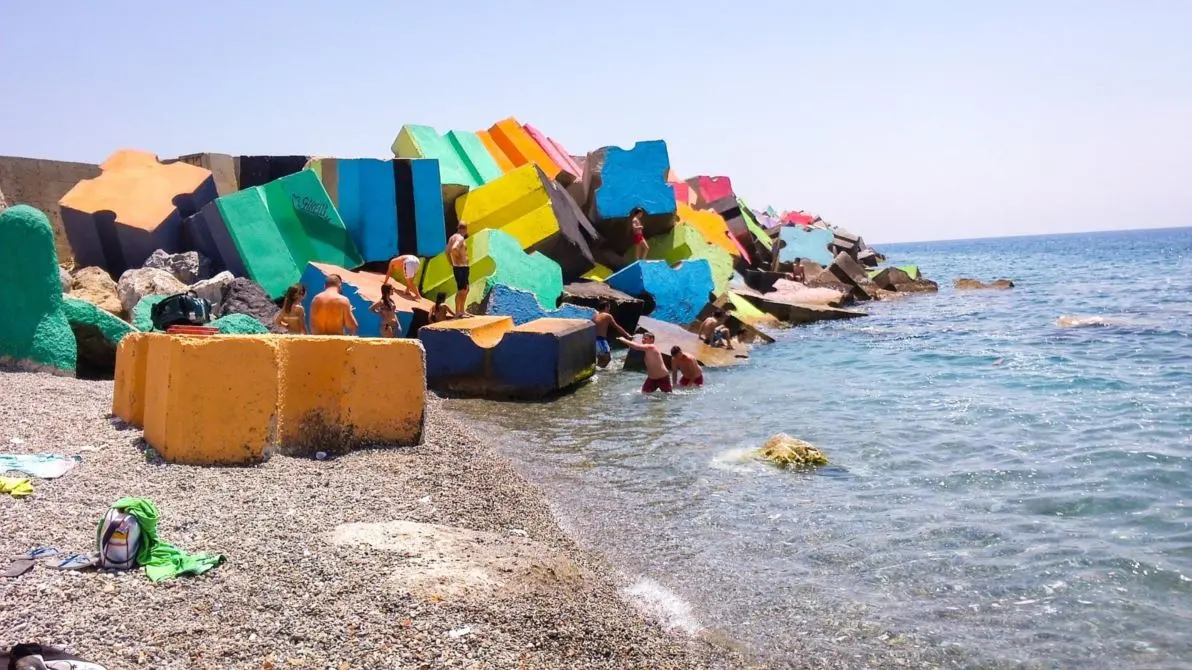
x=1010 y=478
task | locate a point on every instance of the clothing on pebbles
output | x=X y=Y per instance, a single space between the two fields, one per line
x=434 y=556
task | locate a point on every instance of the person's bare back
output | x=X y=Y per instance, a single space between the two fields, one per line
x=687 y=365
x=331 y=312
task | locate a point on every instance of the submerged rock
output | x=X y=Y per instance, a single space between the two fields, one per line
x=785 y=451
x=965 y=283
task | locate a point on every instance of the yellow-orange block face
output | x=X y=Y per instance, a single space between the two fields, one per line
x=128 y=396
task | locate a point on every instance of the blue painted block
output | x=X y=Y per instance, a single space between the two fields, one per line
x=367 y=198
x=811 y=244
x=678 y=293
x=314 y=277
x=544 y=356
x=620 y=180
x=523 y=306
x=420 y=207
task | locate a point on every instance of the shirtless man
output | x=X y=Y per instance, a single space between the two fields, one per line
x=683 y=362
x=713 y=331
x=330 y=311
x=604 y=321
x=404 y=268
x=657 y=376
x=457 y=253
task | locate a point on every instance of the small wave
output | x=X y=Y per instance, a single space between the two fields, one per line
x=663 y=605
x=735 y=460
x=1079 y=321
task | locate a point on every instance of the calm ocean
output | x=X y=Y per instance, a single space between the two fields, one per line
x=1011 y=478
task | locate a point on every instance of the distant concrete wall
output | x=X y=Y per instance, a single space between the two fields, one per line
x=42 y=183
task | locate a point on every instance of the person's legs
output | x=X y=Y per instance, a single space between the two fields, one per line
x=603 y=352
x=461 y=285
x=664 y=385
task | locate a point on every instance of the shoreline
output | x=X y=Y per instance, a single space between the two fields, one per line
x=317 y=573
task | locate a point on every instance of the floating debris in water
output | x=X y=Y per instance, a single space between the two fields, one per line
x=786 y=451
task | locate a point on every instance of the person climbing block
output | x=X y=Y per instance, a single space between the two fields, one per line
x=619 y=181
x=495 y=257
x=345 y=393
x=128 y=394
x=135 y=206
x=211 y=400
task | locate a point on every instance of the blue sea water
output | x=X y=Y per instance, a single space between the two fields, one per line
x=1011 y=477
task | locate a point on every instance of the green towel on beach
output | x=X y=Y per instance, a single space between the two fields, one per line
x=161 y=560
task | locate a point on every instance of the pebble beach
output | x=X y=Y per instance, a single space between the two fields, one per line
x=435 y=556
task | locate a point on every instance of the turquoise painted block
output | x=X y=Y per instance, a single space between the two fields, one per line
x=475 y=156
x=678 y=293
x=416 y=141
x=810 y=244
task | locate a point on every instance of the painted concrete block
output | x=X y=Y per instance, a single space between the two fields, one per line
x=678 y=293
x=340 y=393
x=495 y=151
x=252 y=171
x=710 y=189
x=269 y=233
x=569 y=170
x=424 y=142
x=135 y=206
x=474 y=155
x=625 y=308
x=128 y=394
x=222 y=167
x=97 y=334
x=809 y=243
x=195 y=385
x=389 y=207
x=520 y=148
x=758 y=233
x=523 y=307
x=537 y=212
x=620 y=180
x=685 y=243
x=713 y=227
x=488 y=355
x=495 y=257
x=362 y=290
x=667 y=335
x=34 y=331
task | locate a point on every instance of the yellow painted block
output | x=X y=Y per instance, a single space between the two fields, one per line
x=517 y=203
x=499 y=156
x=485 y=331
x=404 y=146
x=339 y=393
x=521 y=148
x=711 y=224
x=211 y=400
x=598 y=273
x=128 y=396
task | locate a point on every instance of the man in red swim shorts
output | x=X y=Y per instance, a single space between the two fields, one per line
x=640 y=246
x=684 y=363
x=657 y=376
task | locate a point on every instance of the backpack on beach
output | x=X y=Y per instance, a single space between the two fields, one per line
x=181 y=309
x=118 y=540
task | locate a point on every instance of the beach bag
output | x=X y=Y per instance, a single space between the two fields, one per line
x=43 y=657
x=181 y=309
x=118 y=540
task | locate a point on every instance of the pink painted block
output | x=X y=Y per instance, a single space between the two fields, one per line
x=570 y=171
x=682 y=192
x=711 y=189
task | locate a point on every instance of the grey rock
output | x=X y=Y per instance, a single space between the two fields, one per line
x=213 y=290
x=95 y=285
x=244 y=296
x=63 y=277
x=138 y=283
x=187 y=267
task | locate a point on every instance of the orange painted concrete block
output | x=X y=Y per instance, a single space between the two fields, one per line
x=498 y=155
x=521 y=149
x=128 y=396
x=211 y=400
x=341 y=393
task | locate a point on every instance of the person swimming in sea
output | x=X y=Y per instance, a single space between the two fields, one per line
x=292 y=316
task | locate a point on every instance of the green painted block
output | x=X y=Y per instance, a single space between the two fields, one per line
x=239 y=324
x=746 y=311
x=142 y=312
x=323 y=236
x=82 y=313
x=475 y=156
x=34 y=331
x=684 y=242
x=97 y=334
x=259 y=240
x=423 y=142
x=754 y=227
x=911 y=271
x=496 y=257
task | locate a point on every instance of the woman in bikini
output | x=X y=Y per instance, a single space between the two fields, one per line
x=640 y=246
x=387 y=309
x=292 y=316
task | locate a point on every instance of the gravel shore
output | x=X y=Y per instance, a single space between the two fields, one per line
x=502 y=587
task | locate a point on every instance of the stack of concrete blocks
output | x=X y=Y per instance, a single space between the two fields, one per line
x=269 y=233
x=569 y=170
x=851 y=273
x=809 y=243
x=619 y=180
x=515 y=143
x=464 y=161
x=715 y=229
x=363 y=289
x=135 y=206
x=538 y=212
x=523 y=307
x=252 y=171
x=489 y=356
x=389 y=207
x=41 y=184
x=295 y=394
x=495 y=257
x=677 y=293
x=685 y=243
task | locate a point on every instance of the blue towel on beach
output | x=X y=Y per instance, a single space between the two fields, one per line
x=42 y=466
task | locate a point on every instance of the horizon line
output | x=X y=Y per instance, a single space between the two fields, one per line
x=1022 y=235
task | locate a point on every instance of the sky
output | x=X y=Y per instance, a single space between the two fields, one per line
x=902 y=120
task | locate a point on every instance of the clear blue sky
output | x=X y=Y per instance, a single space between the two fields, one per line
x=902 y=120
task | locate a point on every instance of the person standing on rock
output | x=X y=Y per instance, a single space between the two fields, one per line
x=457 y=253
x=331 y=311
x=292 y=316
x=657 y=376
x=640 y=246
x=387 y=310
x=403 y=269
x=604 y=321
